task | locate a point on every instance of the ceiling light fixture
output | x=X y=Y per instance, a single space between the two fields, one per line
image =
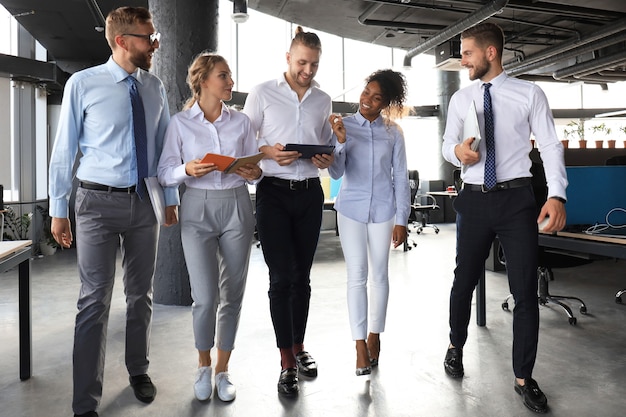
x=240 y=11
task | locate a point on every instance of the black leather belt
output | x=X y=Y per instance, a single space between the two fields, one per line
x=505 y=185
x=99 y=187
x=293 y=184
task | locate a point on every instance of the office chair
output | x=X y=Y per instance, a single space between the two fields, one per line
x=549 y=259
x=617 y=160
x=421 y=204
x=414 y=182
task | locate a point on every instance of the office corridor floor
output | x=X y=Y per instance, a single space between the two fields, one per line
x=582 y=368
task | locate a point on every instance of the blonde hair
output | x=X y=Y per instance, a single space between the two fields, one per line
x=199 y=71
x=122 y=20
x=308 y=39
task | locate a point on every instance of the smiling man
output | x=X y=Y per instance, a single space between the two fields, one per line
x=289 y=199
x=115 y=114
x=497 y=197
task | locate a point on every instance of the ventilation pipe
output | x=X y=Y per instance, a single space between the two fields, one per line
x=450 y=32
x=559 y=52
x=590 y=67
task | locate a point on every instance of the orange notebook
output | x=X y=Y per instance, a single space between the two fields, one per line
x=228 y=164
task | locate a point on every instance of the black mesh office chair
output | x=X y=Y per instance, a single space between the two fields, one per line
x=414 y=182
x=549 y=259
x=421 y=206
x=617 y=160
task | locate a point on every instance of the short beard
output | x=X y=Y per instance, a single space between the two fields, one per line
x=480 y=71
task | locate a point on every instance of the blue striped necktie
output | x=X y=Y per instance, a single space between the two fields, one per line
x=490 y=159
x=139 y=132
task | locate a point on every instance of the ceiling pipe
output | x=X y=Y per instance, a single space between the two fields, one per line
x=589 y=67
x=547 y=56
x=97 y=15
x=451 y=31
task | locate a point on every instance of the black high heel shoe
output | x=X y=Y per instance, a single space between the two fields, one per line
x=367 y=369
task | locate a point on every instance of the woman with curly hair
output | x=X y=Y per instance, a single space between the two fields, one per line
x=372 y=204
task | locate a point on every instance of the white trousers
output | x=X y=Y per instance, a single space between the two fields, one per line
x=358 y=240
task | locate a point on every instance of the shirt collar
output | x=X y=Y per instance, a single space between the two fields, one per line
x=362 y=120
x=119 y=74
x=196 y=112
x=497 y=81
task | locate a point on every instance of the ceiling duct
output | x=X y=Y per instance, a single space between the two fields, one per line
x=451 y=31
x=589 y=67
x=558 y=52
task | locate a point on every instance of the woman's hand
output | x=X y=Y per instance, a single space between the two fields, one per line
x=249 y=172
x=398 y=236
x=197 y=169
x=336 y=123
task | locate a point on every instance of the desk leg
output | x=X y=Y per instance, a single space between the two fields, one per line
x=481 y=313
x=25 y=320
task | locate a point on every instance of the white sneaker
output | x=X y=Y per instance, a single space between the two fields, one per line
x=225 y=389
x=202 y=387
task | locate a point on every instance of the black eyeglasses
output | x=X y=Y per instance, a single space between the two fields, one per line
x=152 y=38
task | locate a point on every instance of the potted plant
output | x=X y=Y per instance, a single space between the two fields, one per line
x=623 y=130
x=576 y=129
x=602 y=128
x=47 y=244
x=15 y=226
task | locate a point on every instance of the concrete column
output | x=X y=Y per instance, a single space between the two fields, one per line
x=188 y=27
x=449 y=83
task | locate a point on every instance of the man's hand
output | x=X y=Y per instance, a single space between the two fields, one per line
x=465 y=154
x=322 y=160
x=62 y=231
x=555 y=210
x=279 y=155
x=171 y=216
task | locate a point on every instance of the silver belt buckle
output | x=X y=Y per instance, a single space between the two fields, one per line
x=483 y=189
x=291 y=183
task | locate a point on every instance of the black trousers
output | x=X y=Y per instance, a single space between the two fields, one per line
x=511 y=215
x=288 y=223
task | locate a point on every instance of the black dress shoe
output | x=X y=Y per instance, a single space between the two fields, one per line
x=288 y=382
x=306 y=364
x=532 y=396
x=87 y=414
x=144 y=389
x=453 y=364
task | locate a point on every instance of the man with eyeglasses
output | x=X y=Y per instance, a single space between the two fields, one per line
x=116 y=115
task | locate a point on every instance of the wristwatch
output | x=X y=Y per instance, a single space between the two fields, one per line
x=561 y=199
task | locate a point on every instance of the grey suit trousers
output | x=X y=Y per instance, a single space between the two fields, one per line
x=106 y=221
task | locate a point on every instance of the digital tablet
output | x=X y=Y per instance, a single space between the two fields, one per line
x=309 y=151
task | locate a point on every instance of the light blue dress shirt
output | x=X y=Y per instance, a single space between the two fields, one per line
x=520 y=108
x=190 y=136
x=372 y=161
x=96 y=119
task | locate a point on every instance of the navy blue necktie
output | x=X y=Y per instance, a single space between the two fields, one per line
x=139 y=131
x=490 y=159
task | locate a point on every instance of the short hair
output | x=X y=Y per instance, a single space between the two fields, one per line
x=394 y=91
x=122 y=19
x=486 y=34
x=308 y=39
x=198 y=72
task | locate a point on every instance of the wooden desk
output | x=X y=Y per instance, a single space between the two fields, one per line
x=613 y=247
x=17 y=253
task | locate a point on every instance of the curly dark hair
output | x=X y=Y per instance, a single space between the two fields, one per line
x=394 y=91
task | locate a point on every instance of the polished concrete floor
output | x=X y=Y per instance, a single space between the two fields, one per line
x=582 y=368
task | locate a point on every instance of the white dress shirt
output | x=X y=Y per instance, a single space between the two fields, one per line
x=190 y=136
x=278 y=116
x=519 y=109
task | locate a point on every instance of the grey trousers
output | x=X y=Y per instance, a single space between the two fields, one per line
x=216 y=232
x=104 y=222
